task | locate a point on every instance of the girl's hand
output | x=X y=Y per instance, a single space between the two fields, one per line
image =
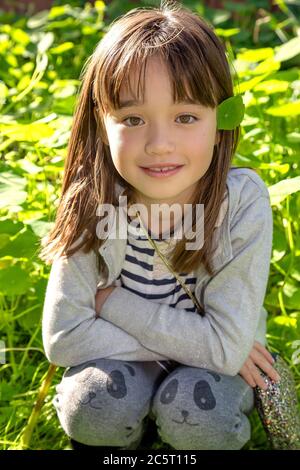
x=260 y=356
x=100 y=297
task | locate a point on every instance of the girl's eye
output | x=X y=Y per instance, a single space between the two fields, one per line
x=182 y=115
x=188 y=116
x=131 y=117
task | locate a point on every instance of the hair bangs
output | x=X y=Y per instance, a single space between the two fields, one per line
x=187 y=81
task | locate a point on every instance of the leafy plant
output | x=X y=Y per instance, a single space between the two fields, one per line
x=41 y=58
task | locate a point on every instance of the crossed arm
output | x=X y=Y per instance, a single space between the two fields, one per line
x=259 y=355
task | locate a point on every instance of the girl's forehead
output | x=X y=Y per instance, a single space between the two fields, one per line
x=135 y=75
x=133 y=83
x=133 y=86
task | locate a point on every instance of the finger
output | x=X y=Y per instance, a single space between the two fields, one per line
x=246 y=374
x=264 y=351
x=259 y=380
x=260 y=361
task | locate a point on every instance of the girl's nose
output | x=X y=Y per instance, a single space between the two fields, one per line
x=160 y=141
x=160 y=146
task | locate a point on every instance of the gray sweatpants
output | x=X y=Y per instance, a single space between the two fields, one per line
x=104 y=402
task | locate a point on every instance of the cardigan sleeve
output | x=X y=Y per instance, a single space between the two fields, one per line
x=71 y=332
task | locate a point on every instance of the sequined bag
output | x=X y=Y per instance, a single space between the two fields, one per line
x=277 y=406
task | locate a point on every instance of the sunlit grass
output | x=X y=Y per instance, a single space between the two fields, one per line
x=39 y=81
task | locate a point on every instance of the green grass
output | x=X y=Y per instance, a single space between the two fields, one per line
x=41 y=59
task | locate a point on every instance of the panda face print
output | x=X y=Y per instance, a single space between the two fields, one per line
x=199 y=409
x=113 y=383
x=202 y=395
x=106 y=399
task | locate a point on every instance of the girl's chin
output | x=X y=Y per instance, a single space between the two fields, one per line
x=160 y=197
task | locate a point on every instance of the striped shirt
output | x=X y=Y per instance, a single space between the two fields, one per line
x=145 y=274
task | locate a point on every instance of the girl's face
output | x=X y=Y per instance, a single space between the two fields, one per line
x=161 y=132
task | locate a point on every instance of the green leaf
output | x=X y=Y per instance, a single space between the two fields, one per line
x=230 y=113
x=279 y=191
x=280 y=245
x=28 y=167
x=4 y=239
x=99 y=6
x=3 y=93
x=11 y=189
x=24 y=245
x=41 y=227
x=66 y=46
x=272 y=86
x=250 y=84
x=288 y=50
x=281 y=168
x=7 y=391
x=291 y=295
x=14 y=281
x=227 y=33
x=57 y=11
x=26 y=132
x=284 y=320
x=267 y=66
x=20 y=36
x=38 y=20
x=46 y=42
x=293 y=137
x=11 y=227
x=256 y=55
x=32 y=318
x=285 y=110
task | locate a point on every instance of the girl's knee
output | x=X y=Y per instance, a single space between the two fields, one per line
x=200 y=409
x=100 y=403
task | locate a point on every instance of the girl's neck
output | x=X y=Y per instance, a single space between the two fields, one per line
x=157 y=222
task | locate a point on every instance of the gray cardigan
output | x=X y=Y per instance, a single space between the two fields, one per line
x=132 y=328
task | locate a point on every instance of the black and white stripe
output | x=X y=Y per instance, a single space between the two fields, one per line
x=139 y=276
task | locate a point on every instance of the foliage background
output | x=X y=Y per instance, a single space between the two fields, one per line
x=41 y=57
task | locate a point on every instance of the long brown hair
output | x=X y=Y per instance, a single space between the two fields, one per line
x=197 y=65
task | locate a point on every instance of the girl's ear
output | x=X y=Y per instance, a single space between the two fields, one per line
x=99 y=128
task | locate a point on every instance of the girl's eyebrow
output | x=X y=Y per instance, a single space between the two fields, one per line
x=130 y=103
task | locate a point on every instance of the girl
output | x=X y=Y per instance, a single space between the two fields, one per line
x=134 y=343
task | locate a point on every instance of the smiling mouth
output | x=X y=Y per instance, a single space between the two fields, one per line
x=160 y=173
x=185 y=421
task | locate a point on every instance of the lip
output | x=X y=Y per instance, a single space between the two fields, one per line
x=162 y=174
x=162 y=165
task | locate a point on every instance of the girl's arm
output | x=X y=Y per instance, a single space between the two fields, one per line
x=233 y=299
x=71 y=332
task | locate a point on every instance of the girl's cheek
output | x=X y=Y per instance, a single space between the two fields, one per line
x=118 y=142
x=123 y=136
